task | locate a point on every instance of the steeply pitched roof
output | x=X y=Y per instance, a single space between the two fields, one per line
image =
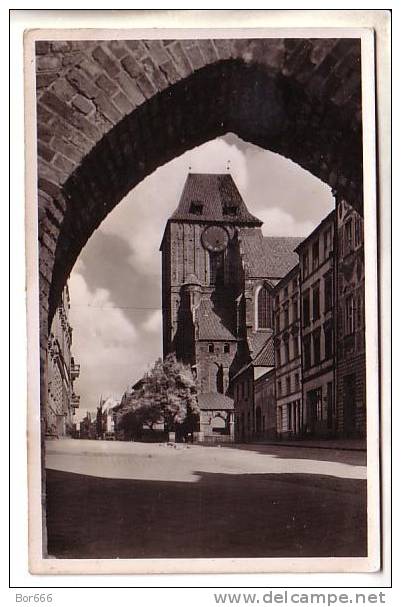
x=211 y=401
x=261 y=351
x=215 y=320
x=256 y=341
x=214 y=193
x=265 y=357
x=268 y=256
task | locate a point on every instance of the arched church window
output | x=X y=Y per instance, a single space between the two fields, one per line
x=264 y=309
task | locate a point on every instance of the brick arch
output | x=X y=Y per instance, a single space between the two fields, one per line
x=109 y=113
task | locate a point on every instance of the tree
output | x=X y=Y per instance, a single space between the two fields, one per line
x=167 y=393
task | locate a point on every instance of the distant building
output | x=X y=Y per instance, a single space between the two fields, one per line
x=62 y=372
x=254 y=398
x=350 y=326
x=317 y=330
x=106 y=419
x=218 y=273
x=87 y=428
x=287 y=346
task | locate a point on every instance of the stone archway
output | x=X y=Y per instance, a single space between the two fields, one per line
x=109 y=113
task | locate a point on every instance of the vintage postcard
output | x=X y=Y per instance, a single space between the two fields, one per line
x=202 y=300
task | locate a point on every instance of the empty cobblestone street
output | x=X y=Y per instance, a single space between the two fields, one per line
x=135 y=500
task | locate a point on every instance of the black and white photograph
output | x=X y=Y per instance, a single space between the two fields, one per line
x=206 y=355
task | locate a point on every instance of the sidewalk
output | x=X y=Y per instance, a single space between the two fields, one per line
x=343 y=444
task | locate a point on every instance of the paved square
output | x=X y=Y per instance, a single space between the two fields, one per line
x=136 y=500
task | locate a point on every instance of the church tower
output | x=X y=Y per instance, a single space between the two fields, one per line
x=202 y=277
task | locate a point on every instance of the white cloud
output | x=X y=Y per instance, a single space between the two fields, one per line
x=153 y=323
x=104 y=343
x=277 y=222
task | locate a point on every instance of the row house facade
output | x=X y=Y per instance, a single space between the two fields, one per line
x=273 y=327
x=319 y=333
x=62 y=400
x=287 y=346
x=253 y=389
x=316 y=266
x=350 y=325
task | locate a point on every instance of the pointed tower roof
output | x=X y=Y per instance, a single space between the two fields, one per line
x=213 y=197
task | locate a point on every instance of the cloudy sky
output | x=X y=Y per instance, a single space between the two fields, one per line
x=115 y=286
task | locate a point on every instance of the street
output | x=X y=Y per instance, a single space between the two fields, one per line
x=136 y=500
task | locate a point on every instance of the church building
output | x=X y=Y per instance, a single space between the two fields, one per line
x=218 y=276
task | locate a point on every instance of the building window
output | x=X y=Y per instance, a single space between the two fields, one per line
x=286 y=350
x=264 y=309
x=328 y=292
x=296 y=347
x=285 y=292
x=297 y=381
x=305 y=264
x=305 y=310
x=196 y=208
x=277 y=322
x=226 y=348
x=294 y=284
x=348 y=237
x=316 y=302
x=294 y=309
x=358 y=231
x=327 y=243
x=316 y=347
x=217 y=268
x=315 y=255
x=231 y=210
x=319 y=407
x=288 y=384
x=307 y=352
x=328 y=342
x=286 y=315
x=211 y=348
x=349 y=315
x=359 y=312
x=289 y=416
x=279 y=388
x=330 y=408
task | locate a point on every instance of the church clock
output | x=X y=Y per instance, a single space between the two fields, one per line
x=215 y=239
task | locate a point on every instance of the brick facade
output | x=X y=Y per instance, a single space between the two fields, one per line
x=350 y=325
x=218 y=275
x=287 y=345
x=316 y=255
x=62 y=372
